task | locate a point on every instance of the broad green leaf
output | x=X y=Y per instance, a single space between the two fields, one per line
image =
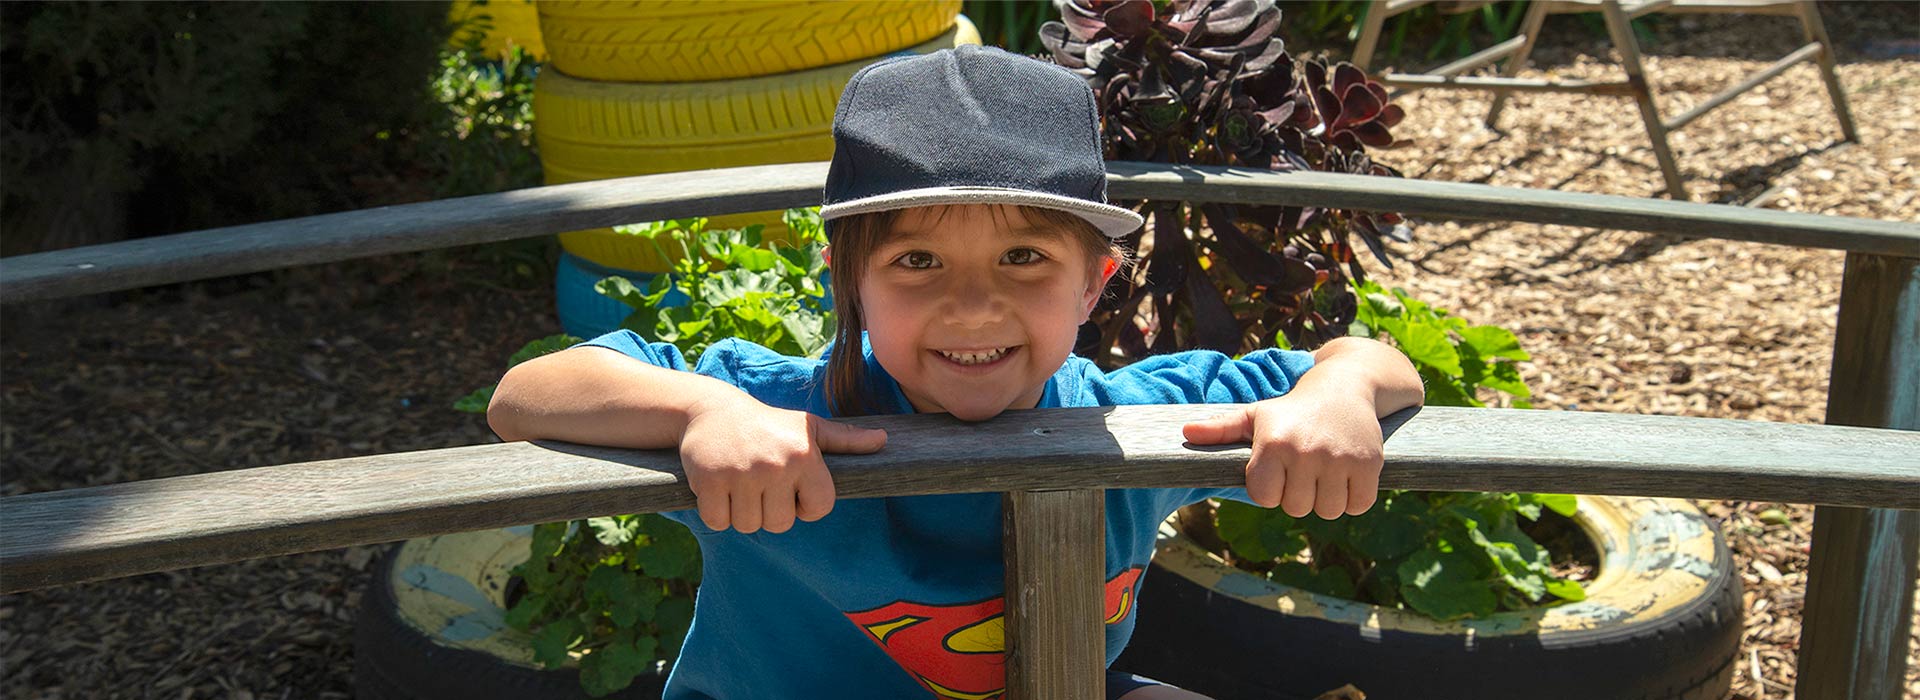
x=1524 y=505
x=614 y=531
x=637 y=601
x=524 y=613
x=1428 y=346
x=1333 y=581
x=755 y=259
x=544 y=346
x=613 y=667
x=1564 y=504
x=547 y=538
x=550 y=644
x=1445 y=586
x=687 y=328
x=1494 y=341
x=672 y=619
x=1239 y=524
x=477 y=401
x=1567 y=590
x=671 y=552
x=1504 y=376
x=1442 y=390
x=622 y=290
x=1384 y=536
x=727 y=285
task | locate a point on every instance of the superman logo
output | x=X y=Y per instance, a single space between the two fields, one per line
x=959 y=651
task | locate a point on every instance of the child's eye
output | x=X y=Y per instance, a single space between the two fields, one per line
x=1023 y=256
x=918 y=260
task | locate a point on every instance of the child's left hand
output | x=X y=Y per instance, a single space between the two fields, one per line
x=1312 y=452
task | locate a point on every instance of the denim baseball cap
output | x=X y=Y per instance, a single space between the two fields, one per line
x=969 y=125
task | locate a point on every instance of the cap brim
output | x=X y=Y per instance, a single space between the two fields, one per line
x=1113 y=221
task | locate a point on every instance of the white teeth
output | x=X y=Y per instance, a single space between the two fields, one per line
x=975 y=358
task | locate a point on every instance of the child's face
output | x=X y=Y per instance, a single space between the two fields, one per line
x=972 y=312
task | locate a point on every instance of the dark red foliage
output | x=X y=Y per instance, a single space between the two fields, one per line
x=1208 y=82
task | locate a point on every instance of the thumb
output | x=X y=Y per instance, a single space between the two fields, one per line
x=841 y=438
x=1232 y=426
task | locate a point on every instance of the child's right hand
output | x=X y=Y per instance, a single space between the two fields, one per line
x=755 y=467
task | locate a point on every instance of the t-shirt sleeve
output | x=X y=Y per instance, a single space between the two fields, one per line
x=629 y=343
x=1202 y=377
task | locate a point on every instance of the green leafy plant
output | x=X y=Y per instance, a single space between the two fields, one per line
x=1445 y=555
x=1208 y=83
x=617 y=592
x=482 y=135
x=735 y=287
x=1455 y=360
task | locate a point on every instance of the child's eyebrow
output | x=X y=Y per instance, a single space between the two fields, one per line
x=1046 y=233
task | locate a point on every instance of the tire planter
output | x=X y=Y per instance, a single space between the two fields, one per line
x=598 y=130
x=1662 y=621
x=432 y=627
x=658 y=41
x=587 y=313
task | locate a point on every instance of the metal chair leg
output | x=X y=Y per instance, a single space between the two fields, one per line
x=1622 y=32
x=1816 y=32
x=1529 y=28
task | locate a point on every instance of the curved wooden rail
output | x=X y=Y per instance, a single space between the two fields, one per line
x=99 y=532
x=545 y=210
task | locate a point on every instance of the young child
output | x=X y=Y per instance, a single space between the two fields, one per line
x=970 y=238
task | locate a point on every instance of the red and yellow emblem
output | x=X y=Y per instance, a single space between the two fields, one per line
x=959 y=651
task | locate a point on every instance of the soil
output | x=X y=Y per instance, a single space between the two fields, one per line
x=366 y=357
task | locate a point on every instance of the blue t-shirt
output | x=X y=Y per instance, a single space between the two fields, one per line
x=889 y=598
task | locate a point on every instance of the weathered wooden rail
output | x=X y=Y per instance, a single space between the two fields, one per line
x=1859 y=593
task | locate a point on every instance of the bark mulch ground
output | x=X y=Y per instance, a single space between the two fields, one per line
x=366 y=357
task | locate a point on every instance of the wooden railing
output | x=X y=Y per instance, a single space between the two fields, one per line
x=1051 y=463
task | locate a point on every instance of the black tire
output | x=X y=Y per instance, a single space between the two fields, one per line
x=394 y=660
x=1682 y=646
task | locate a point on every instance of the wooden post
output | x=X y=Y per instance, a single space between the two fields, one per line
x=1056 y=543
x=1370 y=26
x=1816 y=31
x=1621 y=29
x=1529 y=28
x=1853 y=641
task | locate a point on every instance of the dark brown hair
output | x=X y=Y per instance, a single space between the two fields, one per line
x=853 y=239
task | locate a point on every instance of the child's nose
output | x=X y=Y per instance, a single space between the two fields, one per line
x=975 y=301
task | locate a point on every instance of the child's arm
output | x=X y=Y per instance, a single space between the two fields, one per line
x=1318 y=448
x=751 y=465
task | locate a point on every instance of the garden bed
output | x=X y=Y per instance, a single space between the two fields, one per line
x=366 y=357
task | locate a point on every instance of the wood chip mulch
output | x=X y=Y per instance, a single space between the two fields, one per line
x=366 y=357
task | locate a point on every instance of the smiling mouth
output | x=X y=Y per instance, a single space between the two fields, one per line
x=977 y=357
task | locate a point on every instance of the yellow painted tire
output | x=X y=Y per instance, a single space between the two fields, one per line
x=510 y=20
x=432 y=626
x=1661 y=622
x=594 y=130
x=659 y=41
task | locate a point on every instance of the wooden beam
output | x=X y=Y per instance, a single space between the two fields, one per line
x=1466 y=201
x=64 y=537
x=1419 y=81
x=1860 y=581
x=546 y=210
x=1801 y=55
x=406 y=228
x=1483 y=57
x=1055 y=544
